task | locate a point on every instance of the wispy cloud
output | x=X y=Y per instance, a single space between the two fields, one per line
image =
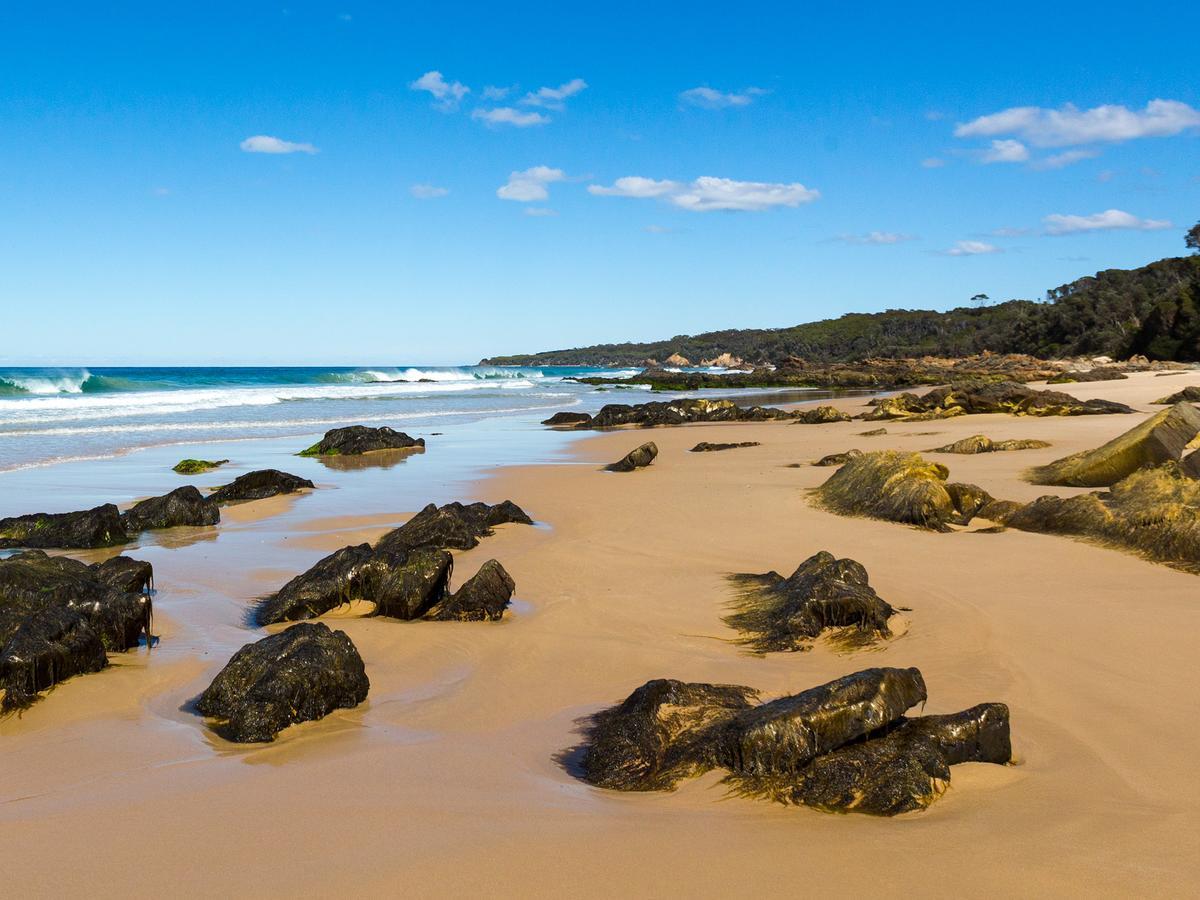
x=1068 y=125
x=1006 y=151
x=507 y=115
x=877 y=238
x=972 y=248
x=263 y=143
x=552 y=98
x=530 y=185
x=1062 y=160
x=707 y=194
x=448 y=94
x=1108 y=220
x=428 y=191
x=1008 y=232
x=710 y=98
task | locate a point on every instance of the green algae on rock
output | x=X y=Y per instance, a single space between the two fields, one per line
x=892 y=485
x=197 y=466
x=355 y=440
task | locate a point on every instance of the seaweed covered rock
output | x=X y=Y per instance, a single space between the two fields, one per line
x=978 y=443
x=820 y=415
x=706 y=447
x=968 y=500
x=89 y=528
x=483 y=597
x=1190 y=394
x=569 y=420
x=837 y=459
x=783 y=614
x=892 y=485
x=453 y=525
x=197 y=466
x=59 y=618
x=301 y=674
x=635 y=459
x=409 y=585
x=355 y=440
x=1161 y=438
x=259 y=485
x=331 y=582
x=976 y=398
x=183 y=506
x=845 y=746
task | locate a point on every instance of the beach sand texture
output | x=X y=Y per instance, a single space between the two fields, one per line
x=451 y=778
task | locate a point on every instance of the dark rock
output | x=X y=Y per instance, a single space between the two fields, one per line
x=298 y=675
x=569 y=420
x=892 y=485
x=197 y=466
x=1100 y=373
x=333 y=581
x=635 y=459
x=259 y=485
x=874 y=432
x=706 y=447
x=821 y=415
x=1190 y=394
x=968 y=500
x=454 y=526
x=1190 y=464
x=673 y=412
x=978 y=443
x=484 y=596
x=183 y=506
x=837 y=459
x=976 y=398
x=358 y=439
x=133 y=576
x=98 y=527
x=408 y=585
x=782 y=614
x=59 y=618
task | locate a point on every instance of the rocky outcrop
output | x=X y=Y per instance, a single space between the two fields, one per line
x=978 y=443
x=197 y=466
x=637 y=458
x=1161 y=438
x=60 y=618
x=706 y=447
x=98 y=527
x=674 y=412
x=892 y=485
x=483 y=597
x=568 y=420
x=845 y=746
x=259 y=485
x=820 y=415
x=453 y=526
x=1190 y=394
x=183 y=506
x=676 y=360
x=355 y=440
x=1100 y=373
x=825 y=593
x=298 y=675
x=837 y=459
x=977 y=398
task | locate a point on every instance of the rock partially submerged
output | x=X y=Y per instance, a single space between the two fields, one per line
x=976 y=398
x=355 y=440
x=98 y=527
x=568 y=420
x=183 y=506
x=825 y=593
x=844 y=746
x=978 y=443
x=299 y=675
x=59 y=618
x=837 y=459
x=197 y=466
x=1161 y=438
x=706 y=447
x=259 y=485
x=635 y=459
x=892 y=485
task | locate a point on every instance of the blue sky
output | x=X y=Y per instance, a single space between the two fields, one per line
x=633 y=172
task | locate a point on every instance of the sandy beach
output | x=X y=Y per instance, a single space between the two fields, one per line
x=455 y=775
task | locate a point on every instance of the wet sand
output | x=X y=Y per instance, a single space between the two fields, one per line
x=451 y=777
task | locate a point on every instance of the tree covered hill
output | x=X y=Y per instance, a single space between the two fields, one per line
x=1153 y=310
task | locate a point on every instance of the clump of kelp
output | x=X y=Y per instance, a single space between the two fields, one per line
x=60 y=617
x=844 y=746
x=824 y=593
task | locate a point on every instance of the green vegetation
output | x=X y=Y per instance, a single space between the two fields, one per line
x=197 y=466
x=1154 y=310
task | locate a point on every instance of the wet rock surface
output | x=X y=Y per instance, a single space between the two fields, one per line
x=259 y=485
x=455 y=525
x=483 y=597
x=672 y=412
x=843 y=746
x=299 y=675
x=568 y=419
x=637 y=458
x=355 y=440
x=197 y=466
x=183 y=506
x=706 y=447
x=824 y=593
x=98 y=527
x=60 y=618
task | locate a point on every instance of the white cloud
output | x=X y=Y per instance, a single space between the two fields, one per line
x=1103 y=221
x=506 y=115
x=707 y=193
x=932 y=162
x=447 y=93
x=708 y=98
x=972 y=248
x=492 y=92
x=1062 y=160
x=1070 y=125
x=428 y=191
x=262 y=143
x=530 y=185
x=878 y=238
x=552 y=98
x=1005 y=152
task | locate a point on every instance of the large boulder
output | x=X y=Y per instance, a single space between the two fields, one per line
x=892 y=485
x=98 y=527
x=331 y=582
x=298 y=675
x=845 y=746
x=183 y=506
x=59 y=618
x=1161 y=438
x=776 y=613
x=454 y=525
x=355 y=440
x=409 y=585
x=259 y=485
x=1190 y=394
x=569 y=420
x=637 y=458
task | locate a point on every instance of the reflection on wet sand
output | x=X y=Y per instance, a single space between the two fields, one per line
x=378 y=459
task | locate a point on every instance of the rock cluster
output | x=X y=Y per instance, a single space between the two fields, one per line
x=974 y=398
x=662 y=412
